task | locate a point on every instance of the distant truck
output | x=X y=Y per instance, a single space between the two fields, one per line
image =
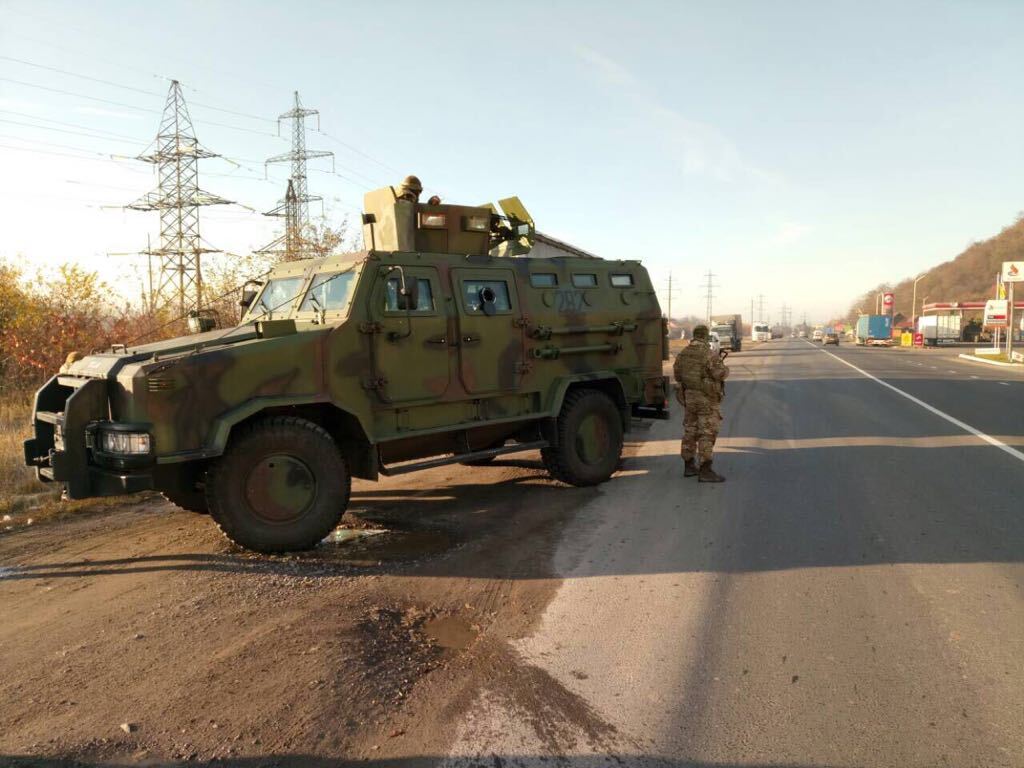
x=874 y=331
x=730 y=330
x=939 y=329
x=760 y=332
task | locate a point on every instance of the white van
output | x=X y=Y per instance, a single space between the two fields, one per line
x=761 y=332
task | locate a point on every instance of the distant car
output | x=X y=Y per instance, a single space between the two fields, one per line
x=817 y=335
x=716 y=343
x=831 y=338
x=803 y=334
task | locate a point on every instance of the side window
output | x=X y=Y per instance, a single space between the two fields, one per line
x=478 y=293
x=543 y=280
x=584 y=280
x=624 y=280
x=424 y=301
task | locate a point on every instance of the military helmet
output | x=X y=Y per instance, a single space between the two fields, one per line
x=411 y=184
x=700 y=332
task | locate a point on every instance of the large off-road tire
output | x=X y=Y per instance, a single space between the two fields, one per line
x=189 y=499
x=281 y=485
x=589 y=439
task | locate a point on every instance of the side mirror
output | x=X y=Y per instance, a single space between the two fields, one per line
x=201 y=321
x=249 y=292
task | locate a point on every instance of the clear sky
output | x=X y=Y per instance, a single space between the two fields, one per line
x=805 y=151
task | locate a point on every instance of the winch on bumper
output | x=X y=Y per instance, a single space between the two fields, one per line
x=76 y=443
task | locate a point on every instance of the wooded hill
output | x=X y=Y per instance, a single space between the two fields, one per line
x=971 y=275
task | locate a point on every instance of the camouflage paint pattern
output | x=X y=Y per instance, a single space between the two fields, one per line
x=411 y=380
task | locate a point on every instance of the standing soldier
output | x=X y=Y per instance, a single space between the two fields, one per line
x=701 y=376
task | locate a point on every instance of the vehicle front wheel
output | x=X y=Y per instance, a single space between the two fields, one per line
x=281 y=485
x=589 y=439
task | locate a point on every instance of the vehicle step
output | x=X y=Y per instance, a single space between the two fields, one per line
x=48 y=416
x=46 y=472
x=443 y=461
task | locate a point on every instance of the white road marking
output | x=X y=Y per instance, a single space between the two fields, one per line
x=941 y=414
x=974 y=377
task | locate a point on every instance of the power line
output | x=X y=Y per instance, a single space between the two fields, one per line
x=126 y=105
x=71 y=125
x=99 y=156
x=130 y=88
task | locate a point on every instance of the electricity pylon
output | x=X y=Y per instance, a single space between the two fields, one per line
x=178 y=198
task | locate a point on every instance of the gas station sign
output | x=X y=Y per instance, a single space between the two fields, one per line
x=997 y=313
x=1013 y=271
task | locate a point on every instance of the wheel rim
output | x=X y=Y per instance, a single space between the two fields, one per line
x=280 y=488
x=593 y=440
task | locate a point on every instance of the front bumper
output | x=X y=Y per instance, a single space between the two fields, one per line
x=66 y=414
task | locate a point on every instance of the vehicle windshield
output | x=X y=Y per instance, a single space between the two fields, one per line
x=276 y=298
x=761 y=328
x=329 y=292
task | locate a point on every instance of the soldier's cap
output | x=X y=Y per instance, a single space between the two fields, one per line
x=412 y=184
x=700 y=332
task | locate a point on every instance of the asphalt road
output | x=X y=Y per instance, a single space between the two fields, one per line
x=851 y=596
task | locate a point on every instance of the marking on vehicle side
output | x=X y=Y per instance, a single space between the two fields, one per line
x=941 y=414
x=1005 y=384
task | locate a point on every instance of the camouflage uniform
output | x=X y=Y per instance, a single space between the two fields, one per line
x=701 y=375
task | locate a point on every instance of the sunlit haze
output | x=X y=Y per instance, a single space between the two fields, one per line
x=803 y=152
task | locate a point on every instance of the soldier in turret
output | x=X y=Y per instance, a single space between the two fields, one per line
x=701 y=376
x=410 y=189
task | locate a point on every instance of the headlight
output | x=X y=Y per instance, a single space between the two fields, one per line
x=124 y=442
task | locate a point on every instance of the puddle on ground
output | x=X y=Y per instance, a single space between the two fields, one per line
x=452 y=632
x=369 y=546
x=345 y=535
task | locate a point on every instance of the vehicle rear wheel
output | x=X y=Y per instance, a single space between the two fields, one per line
x=281 y=485
x=589 y=439
x=189 y=499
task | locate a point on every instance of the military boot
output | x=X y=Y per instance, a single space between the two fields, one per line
x=708 y=475
x=690 y=468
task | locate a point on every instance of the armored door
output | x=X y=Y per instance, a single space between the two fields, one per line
x=410 y=345
x=490 y=330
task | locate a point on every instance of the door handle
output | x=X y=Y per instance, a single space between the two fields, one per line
x=470 y=339
x=437 y=340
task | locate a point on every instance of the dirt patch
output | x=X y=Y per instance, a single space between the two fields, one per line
x=452 y=632
x=363 y=648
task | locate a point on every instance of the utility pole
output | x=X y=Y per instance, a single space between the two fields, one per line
x=296 y=241
x=760 y=309
x=709 y=292
x=669 y=296
x=178 y=198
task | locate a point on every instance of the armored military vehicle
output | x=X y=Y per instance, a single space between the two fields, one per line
x=460 y=334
